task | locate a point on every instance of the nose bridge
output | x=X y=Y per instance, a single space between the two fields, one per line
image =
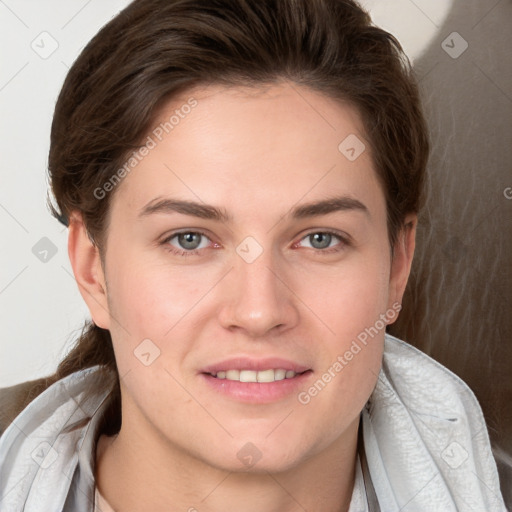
x=258 y=300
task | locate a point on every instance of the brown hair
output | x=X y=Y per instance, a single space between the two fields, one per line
x=155 y=49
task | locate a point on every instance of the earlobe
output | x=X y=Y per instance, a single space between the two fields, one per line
x=402 y=259
x=85 y=261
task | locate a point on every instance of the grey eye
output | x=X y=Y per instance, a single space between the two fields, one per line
x=320 y=240
x=189 y=240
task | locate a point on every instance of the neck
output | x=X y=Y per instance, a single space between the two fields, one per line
x=139 y=473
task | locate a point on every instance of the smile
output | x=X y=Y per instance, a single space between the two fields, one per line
x=270 y=375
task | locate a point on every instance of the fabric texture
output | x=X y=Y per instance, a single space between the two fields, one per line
x=425 y=439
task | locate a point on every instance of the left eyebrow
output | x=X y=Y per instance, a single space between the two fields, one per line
x=210 y=212
x=330 y=205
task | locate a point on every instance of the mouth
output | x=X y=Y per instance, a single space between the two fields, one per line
x=259 y=376
x=256 y=381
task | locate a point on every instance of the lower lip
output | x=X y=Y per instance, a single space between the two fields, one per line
x=257 y=392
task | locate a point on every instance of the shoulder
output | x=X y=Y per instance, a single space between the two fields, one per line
x=423 y=416
x=53 y=435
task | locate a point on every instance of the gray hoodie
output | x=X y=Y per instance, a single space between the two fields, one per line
x=425 y=439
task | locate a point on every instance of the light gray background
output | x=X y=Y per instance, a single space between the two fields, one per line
x=40 y=306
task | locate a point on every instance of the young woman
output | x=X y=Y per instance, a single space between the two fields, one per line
x=241 y=182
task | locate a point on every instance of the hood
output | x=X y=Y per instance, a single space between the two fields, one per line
x=425 y=438
x=47 y=453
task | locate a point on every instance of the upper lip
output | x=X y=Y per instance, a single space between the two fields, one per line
x=247 y=363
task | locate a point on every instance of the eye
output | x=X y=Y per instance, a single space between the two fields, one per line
x=189 y=241
x=321 y=241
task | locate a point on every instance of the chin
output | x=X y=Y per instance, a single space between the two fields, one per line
x=259 y=455
x=274 y=464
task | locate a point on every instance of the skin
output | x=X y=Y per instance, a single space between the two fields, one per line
x=244 y=150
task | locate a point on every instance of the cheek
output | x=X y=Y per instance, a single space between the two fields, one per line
x=348 y=298
x=349 y=351
x=351 y=305
x=149 y=300
x=151 y=304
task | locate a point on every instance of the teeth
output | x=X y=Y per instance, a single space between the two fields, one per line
x=265 y=376
x=254 y=376
x=233 y=375
x=248 y=376
x=279 y=374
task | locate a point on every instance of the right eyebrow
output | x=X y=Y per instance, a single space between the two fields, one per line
x=170 y=205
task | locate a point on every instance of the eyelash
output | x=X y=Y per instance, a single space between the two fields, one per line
x=344 y=242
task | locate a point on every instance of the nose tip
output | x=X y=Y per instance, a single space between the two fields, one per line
x=257 y=300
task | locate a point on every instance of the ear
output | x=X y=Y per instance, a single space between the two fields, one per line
x=86 y=264
x=402 y=260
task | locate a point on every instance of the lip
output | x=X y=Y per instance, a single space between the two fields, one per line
x=256 y=392
x=247 y=363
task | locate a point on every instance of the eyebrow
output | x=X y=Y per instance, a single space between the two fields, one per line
x=209 y=212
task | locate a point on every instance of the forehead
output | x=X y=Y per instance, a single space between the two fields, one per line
x=252 y=147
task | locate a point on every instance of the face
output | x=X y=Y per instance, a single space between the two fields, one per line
x=283 y=264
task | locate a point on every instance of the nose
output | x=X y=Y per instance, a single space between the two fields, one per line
x=257 y=299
